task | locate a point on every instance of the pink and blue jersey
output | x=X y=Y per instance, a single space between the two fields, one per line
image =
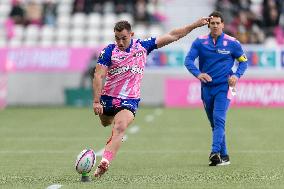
x=125 y=68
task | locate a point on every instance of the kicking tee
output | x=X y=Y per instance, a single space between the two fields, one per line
x=125 y=68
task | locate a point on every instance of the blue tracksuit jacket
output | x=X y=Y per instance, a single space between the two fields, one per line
x=217 y=60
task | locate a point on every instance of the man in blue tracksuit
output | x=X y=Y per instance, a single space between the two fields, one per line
x=217 y=53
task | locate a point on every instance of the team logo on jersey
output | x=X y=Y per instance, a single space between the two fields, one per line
x=136 y=70
x=225 y=43
x=120 y=70
x=136 y=47
x=118 y=58
x=138 y=54
x=102 y=54
x=223 y=51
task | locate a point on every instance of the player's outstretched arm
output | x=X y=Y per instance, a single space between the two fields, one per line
x=178 y=33
x=99 y=75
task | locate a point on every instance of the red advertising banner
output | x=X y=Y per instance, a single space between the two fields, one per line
x=250 y=93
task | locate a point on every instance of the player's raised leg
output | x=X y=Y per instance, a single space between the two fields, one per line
x=121 y=121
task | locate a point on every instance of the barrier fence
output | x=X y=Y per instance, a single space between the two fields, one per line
x=251 y=92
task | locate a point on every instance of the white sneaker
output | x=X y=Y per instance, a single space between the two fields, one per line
x=225 y=160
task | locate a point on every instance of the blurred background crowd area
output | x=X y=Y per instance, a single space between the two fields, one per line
x=90 y=22
x=253 y=21
x=74 y=22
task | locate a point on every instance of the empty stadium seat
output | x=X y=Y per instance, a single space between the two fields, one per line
x=63 y=21
x=126 y=16
x=65 y=2
x=5 y=9
x=2 y=37
x=47 y=33
x=31 y=32
x=155 y=31
x=15 y=42
x=109 y=20
x=3 y=42
x=64 y=9
x=75 y=29
x=94 y=20
x=93 y=43
x=77 y=34
x=2 y=20
x=78 y=20
x=140 y=31
x=93 y=34
x=5 y=1
x=62 y=34
x=61 y=43
x=19 y=31
x=108 y=34
x=30 y=43
x=46 y=43
x=77 y=43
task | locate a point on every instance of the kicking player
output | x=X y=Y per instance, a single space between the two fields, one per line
x=217 y=53
x=122 y=66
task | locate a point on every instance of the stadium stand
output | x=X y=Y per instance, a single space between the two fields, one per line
x=34 y=23
x=253 y=21
x=90 y=22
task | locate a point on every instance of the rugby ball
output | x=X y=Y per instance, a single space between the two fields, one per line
x=85 y=161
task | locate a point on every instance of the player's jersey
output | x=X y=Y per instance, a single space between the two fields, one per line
x=125 y=68
x=216 y=59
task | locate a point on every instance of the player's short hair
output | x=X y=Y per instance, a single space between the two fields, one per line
x=121 y=25
x=218 y=15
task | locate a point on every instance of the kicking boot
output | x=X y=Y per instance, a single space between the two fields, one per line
x=214 y=159
x=101 y=169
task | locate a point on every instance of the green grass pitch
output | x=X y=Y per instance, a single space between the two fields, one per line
x=38 y=148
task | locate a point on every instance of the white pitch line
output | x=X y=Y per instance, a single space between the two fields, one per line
x=141 y=151
x=158 y=111
x=49 y=138
x=35 y=152
x=149 y=118
x=54 y=186
x=198 y=152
